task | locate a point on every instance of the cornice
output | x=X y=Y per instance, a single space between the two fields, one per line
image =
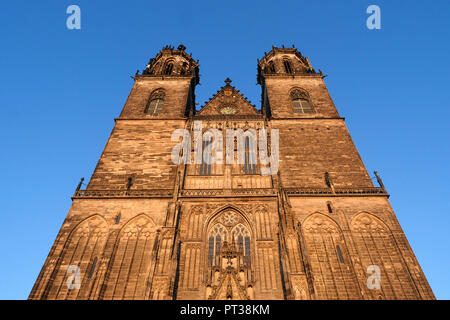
x=294 y=75
x=161 y=77
x=312 y=118
x=231 y=193
x=150 y=119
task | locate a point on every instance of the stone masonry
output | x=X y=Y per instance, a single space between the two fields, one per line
x=148 y=228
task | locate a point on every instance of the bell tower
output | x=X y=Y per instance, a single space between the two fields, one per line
x=291 y=87
x=148 y=227
x=160 y=101
x=296 y=101
x=165 y=88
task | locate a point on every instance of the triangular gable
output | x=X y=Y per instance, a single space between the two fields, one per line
x=229 y=287
x=228 y=101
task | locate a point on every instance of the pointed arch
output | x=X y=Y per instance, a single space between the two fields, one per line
x=229 y=217
x=270 y=68
x=132 y=259
x=333 y=278
x=155 y=102
x=376 y=245
x=364 y=215
x=217 y=234
x=316 y=214
x=241 y=236
x=142 y=220
x=237 y=231
x=232 y=207
x=88 y=221
x=229 y=288
x=301 y=101
x=85 y=242
x=169 y=67
x=287 y=64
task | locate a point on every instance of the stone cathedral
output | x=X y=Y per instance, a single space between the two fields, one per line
x=146 y=227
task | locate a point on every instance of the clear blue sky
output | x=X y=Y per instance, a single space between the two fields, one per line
x=60 y=90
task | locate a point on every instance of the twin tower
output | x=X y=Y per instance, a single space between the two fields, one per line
x=148 y=228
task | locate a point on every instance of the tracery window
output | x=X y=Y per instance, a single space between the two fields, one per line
x=155 y=103
x=250 y=156
x=91 y=272
x=229 y=227
x=242 y=238
x=184 y=68
x=287 y=66
x=271 y=67
x=301 y=102
x=205 y=166
x=339 y=253
x=169 y=68
x=217 y=235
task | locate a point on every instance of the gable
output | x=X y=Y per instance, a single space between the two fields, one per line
x=228 y=101
x=229 y=287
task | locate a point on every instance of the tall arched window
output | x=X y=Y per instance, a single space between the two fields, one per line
x=340 y=255
x=287 y=66
x=91 y=272
x=241 y=236
x=229 y=227
x=250 y=156
x=184 y=68
x=155 y=103
x=205 y=166
x=271 y=67
x=217 y=235
x=169 y=68
x=301 y=102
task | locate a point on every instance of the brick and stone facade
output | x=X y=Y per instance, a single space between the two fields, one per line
x=149 y=228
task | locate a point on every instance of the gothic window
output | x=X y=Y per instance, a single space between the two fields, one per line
x=228 y=227
x=87 y=240
x=211 y=247
x=131 y=257
x=155 y=103
x=241 y=236
x=370 y=232
x=301 y=102
x=247 y=250
x=325 y=244
x=287 y=66
x=91 y=273
x=271 y=67
x=169 y=68
x=250 y=157
x=330 y=210
x=205 y=166
x=339 y=253
x=217 y=235
x=184 y=68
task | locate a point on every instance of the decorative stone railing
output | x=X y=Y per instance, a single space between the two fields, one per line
x=256 y=192
x=157 y=193
x=336 y=191
x=228 y=192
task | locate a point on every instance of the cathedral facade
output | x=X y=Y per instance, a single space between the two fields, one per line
x=303 y=222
